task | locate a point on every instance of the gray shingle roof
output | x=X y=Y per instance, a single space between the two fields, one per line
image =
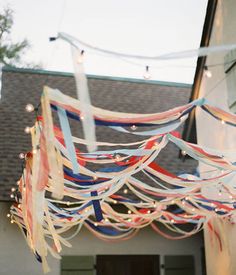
x=20 y=86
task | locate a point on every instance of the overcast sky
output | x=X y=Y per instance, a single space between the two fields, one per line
x=147 y=27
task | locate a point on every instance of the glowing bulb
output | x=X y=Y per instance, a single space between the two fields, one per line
x=183 y=153
x=12 y=196
x=95 y=224
x=81 y=117
x=125 y=191
x=129 y=220
x=117 y=157
x=230 y=196
x=13 y=189
x=106 y=220
x=146 y=74
x=12 y=221
x=95 y=178
x=133 y=127
x=172 y=220
x=34 y=151
x=21 y=155
x=18 y=182
x=129 y=212
x=183 y=202
x=80 y=59
x=148 y=211
x=222 y=121
x=193 y=209
x=212 y=205
x=27 y=129
x=8 y=215
x=115 y=202
x=67 y=203
x=19 y=206
x=154 y=204
x=207 y=72
x=29 y=108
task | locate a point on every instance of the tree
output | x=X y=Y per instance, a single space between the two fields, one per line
x=11 y=53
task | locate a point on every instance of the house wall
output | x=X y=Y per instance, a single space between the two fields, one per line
x=16 y=257
x=214 y=134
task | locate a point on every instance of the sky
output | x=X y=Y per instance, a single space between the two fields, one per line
x=143 y=27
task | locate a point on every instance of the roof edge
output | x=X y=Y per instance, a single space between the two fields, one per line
x=189 y=133
x=101 y=77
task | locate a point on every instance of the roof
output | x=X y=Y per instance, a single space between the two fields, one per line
x=189 y=133
x=22 y=86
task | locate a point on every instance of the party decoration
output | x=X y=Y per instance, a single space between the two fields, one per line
x=65 y=186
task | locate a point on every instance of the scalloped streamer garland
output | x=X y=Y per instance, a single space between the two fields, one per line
x=59 y=190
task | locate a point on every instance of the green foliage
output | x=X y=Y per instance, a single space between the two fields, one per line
x=11 y=53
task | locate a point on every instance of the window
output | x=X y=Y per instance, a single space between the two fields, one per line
x=179 y=265
x=77 y=265
x=230 y=70
x=128 y=265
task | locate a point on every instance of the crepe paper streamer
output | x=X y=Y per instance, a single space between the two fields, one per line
x=203 y=51
x=68 y=138
x=84 y=97
x=91 y=196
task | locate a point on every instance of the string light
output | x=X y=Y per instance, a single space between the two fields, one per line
x=129 y=212
x=183 y=153
x=8 y=215
x=13 y=189
x=12 y=196
x=80 y=59
x=207 y=72
x=29 y=108
x=21 y=155
x=12 y=221
x=125 y=191
x=27 y=129
x=147 y=74
x=222 y=121
x=133 y=127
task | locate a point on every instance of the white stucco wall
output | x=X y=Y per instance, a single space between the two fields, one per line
x=16 y=258
x=213 y=134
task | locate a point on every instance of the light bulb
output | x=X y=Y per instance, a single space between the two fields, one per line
x=125 y=191
x=13 y=189
x=147 y=74
x=172 y=220
x=8 y=215
x=129 y=212
x=207 y=72
x=129 y=220
x=12 y=221
x=27 y=129
x=133 y=127
x=95 y=224
x=29 y=108
x=222 y=121
x=18 y=182
x=148 y=211
x=34 y=151
x=12 y=196
x=183 y=153
x=21 y=155
x=114 y=201
x=117 y=157
x=80 y=59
